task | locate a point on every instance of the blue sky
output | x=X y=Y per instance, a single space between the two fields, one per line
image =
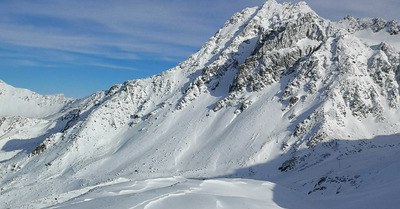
x=78 y=47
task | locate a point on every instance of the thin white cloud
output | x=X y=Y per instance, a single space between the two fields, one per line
x=166 y=29
x=132 y=30
x=150 y=35
x=113 y=66
x=27 y=63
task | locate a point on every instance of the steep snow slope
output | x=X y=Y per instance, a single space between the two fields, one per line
x=308 y=107
x=24 y=117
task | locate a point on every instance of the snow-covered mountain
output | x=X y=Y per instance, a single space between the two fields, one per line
x=280 y=108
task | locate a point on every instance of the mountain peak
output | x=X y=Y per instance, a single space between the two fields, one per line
x=277 y=94
x=285 y=11
x=270 y=3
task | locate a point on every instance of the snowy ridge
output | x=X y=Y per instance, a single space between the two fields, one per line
x=22 y=102
x=279 y=100
x=375 y=24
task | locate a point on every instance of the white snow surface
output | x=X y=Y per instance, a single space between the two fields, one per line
x=375 y=38
x=279 y=109
x=22 y=102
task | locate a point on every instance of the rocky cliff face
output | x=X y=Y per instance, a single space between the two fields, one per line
x=311 y=58
x=276 y=91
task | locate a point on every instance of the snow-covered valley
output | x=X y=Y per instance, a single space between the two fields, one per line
x=279 y=109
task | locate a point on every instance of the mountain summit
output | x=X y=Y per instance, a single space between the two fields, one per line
x=297 y=109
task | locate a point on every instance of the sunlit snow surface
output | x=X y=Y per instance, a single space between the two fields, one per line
x=182 y=193
x=323 y=134
x=374 y=39
x=178 y=192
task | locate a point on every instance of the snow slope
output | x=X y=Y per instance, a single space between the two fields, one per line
x=24 y=103
x=279 y=109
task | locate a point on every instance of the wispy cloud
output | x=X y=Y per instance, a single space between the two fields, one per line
x=114 y=29
x=126 y=35
x=113 y=66
x=123 y=29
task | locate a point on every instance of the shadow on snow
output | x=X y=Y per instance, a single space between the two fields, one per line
x=344 y=170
